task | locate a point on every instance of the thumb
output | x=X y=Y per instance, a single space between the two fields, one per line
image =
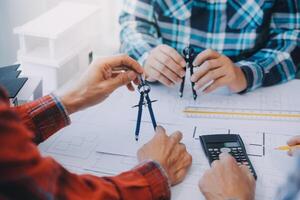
x=160 y=132
x=121 y=79
x=160 y=129
x=294 y=141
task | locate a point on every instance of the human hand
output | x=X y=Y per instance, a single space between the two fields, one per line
x=165 y=65
x=99 y=82
x=169 y=153
x=218 y=69
x=226 y=180
x=292 y=142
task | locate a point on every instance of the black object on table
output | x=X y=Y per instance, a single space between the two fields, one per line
x=10 y=75
x=189 y=55
x=10 y=68
x=9 y=80
x=13 y=86
x=144 y=90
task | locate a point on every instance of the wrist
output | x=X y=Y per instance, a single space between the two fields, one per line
x=158 y=182
x=70 y=102
x=163 y=171
x=240 y=82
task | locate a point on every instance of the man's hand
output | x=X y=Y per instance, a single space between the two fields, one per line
x=169 y=152
x=219 y=70
x=226 y=180
x=100 y=81
x=165 y=65
x=292 y=142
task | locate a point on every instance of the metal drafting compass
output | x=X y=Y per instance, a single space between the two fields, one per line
x=189 y=55
x=145 y=101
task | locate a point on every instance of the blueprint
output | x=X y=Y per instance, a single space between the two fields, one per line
x=101 y=141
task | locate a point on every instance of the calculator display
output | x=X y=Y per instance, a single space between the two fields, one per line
x=231 y=144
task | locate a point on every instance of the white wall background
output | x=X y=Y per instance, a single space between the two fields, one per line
x=14 y=13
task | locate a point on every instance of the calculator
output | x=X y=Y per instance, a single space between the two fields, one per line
x=213 y=145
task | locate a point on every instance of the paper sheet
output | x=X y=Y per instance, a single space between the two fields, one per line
x=101 y=139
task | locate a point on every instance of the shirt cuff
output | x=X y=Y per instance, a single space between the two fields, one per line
x=253 y=73
x=156 y=178
x=45 y=116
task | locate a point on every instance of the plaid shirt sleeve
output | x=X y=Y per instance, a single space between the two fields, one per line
x=260 y=36
x=43 y=117
x=139 y=33
x=27 y=175
x=277 y=61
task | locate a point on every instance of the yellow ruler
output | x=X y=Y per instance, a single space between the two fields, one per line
x=227 y=113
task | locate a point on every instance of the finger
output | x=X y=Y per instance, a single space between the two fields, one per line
x=165 y=71
x=215 y=85
x=215 y=164
x=124 y=60
x=178 y=154
x=173 y=54
x=294 y=141
x=290 y=152
x=160 y=129
x=120 y=80
x=227 y=159
x=180 y=175
x=209 y=77
x=136 y=81
x=247 y=172
x=160 y=133
x=160 y=77
x=176 y=137
x=245 y=169
x=184 y=162
x=293 y=151
x=171 y=64
x=130 y=87
x=208 y=54
x=205 y=68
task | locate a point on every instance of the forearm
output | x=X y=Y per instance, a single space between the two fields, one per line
x=34 y=177
x=276 y=63
x=46 y=178
x=139 y=33
x=43 y=117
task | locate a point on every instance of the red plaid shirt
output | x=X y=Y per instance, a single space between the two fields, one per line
x=25 y=174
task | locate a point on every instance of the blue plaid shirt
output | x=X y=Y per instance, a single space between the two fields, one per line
x=260 y=36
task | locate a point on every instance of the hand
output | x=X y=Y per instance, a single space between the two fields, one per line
x=292 y=142
x=99 y=82
x=226 y=180
x=219 y=69
x=167 y=151
x=165 y=65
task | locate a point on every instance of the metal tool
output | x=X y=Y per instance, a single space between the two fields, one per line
x=144 y=89
x=189 y=55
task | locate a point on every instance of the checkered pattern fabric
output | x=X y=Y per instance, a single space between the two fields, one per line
x=260 y=36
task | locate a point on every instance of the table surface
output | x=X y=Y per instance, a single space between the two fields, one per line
x=94 y=125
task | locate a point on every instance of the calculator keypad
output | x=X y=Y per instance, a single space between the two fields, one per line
x=236 y=152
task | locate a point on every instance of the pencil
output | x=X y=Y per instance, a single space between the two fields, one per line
x=287 y=148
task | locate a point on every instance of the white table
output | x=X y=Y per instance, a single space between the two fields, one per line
x=112 y=123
